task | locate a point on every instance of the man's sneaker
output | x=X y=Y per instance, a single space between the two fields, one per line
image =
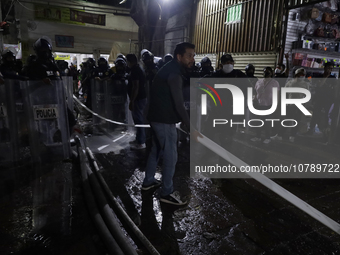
x=276 y=137
x=174 y=199
x=292 y=139
x=137 y=146
x=154 y=185
x=256 y=139
x=266 y=141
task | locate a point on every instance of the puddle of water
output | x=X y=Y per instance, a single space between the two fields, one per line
x=43 y=212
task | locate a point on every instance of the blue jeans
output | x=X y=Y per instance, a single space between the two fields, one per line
x=138 y=118
x=164 y=143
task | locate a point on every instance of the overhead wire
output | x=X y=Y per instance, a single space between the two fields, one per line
x=27 y=7
x=10 y=8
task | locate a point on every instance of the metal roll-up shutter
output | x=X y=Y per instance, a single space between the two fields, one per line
x=259 y=60
x=291 y=4
x=295 y=28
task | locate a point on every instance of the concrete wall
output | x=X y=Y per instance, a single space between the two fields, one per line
x=88 y=38
x=177 y=30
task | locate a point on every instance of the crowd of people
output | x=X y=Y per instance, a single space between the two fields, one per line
x=154 y=98
x=324 y=103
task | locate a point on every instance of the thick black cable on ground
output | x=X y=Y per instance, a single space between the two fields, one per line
x=119 y=209
x=109 y=241
x=109 y=216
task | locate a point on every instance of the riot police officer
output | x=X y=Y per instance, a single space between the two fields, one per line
x=167 y=58
x=148 y=59
x=119 y=91
x=121 y=68
x=45 y=69
x=150 y=69
x=8 y=68
x=44 y=66
x=103 y=71
x=27 y=67
x=206 y=69
x=121 y=56
x=86 y=81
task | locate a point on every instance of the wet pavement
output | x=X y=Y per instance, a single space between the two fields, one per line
x=229 y=216
x=43 y=209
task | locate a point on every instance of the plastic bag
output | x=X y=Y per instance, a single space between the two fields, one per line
x=327 y=17
x=331 y=5
x=335 y=19
x=314 y=13
x=310 y=27
x=334 y=5
x=320 y=32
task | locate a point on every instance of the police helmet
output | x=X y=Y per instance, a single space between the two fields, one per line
x=91 y=62
x=160 y=63
x=7 y=55
x=43 y=49
x=120 y=61
x=102 y=62
x=167 y=58
x=205 y=61
x=143 y=51
x=120 y=65
x=122 y=56
x=42 y=44
x=147 y=56
x=250 y=67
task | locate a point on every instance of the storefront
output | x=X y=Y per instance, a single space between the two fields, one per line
x=313 y=37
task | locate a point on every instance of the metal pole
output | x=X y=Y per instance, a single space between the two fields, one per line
x=1 y=31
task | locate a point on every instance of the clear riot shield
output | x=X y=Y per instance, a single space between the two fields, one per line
x=45 y=108
x=7 y=140
x=98 y=104
x=115 y=102
x=14 y=145
x=68 y=86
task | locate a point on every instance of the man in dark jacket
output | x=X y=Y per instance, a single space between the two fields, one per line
x=167 y=109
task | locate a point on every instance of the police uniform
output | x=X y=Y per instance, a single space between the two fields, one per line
x=98 y=72
x=40 y=70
